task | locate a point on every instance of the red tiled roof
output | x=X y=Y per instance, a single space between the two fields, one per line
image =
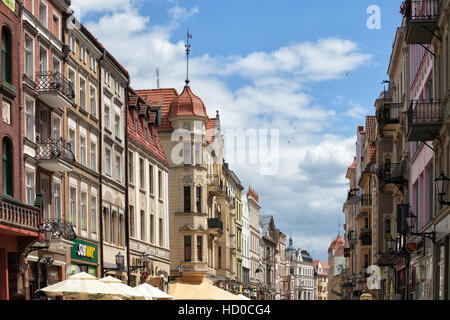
x=187 y=104
x=353 y=165
x=138 y=136
x=160 y=98
x=253 y=194
x=336 y=244
x=210 y=130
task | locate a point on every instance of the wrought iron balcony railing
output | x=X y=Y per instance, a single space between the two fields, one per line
x=50 y=150
x=20 y=215
x=215 y=223
x=420 y=10
x=366 y=200
x=366 y=236
x=390 y=114
x=424 y=119
x=61 y=229
x=54 y=82
x=394 y=173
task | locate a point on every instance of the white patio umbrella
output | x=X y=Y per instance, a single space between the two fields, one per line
x=243 y=297
x=132 y=293
x=151 y=292
x=83 y=286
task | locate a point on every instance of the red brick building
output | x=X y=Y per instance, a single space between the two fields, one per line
x=19 y=223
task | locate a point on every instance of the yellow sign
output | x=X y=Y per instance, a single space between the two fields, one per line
x=10 y=4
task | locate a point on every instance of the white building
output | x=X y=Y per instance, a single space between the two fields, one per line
x=245 y=244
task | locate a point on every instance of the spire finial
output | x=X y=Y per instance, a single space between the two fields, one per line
x=188 y=51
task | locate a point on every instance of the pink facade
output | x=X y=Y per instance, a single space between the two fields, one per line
x=421 y=170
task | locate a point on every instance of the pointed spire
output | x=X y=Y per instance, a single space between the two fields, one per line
x=188 y=51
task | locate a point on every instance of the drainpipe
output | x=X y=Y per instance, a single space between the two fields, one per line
x=127 y=219
x=19 y=91
x=100 y=147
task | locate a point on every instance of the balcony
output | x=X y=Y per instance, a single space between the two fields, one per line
x=394 y=173
x=19 y=215
x=422 y=21
x=366 y=236
x=54 y=156
x=214 y=184
x=366 y=200
x=353 y=197
x=424 y=120
x=215 y=226
x=54 y=89
x=389 y=114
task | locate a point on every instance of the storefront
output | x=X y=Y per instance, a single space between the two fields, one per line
x=84 y=257
x=442 y=259
x=422 y=270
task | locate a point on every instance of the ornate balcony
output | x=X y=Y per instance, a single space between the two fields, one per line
x=60 y=229
x=215 y=226
x=366 y=236
x=424 y=120
x=214 y=184
x=422 y=20
x=19 y=215
x=54 y=89
x=54 y=156
x=394 y=173
x=389 y=114
x=366 y=200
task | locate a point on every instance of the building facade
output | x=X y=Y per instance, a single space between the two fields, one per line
x=322 y=281
x=254 y=247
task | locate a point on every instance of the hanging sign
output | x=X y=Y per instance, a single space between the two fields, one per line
x=411 y=247
x=10 y=4
x=144 y=275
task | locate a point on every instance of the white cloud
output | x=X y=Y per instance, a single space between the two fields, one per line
x=356 y=111
x=306 y=196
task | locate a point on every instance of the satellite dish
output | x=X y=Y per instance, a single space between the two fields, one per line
x=373 y=168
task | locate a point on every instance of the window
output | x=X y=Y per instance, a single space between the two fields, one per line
x=56 y=65
x=187 y=199
x=29 y=48
x=94 y=214
x=56 y=26
x=152 y=228
x=199 y=248
x=108 y=161
x=141 y=173
x=142 y=225
x=30 y=183
x=82 y=93
x=29 y=119
x=71 y=79
x=117 y=125
x=72 y=140
x=198 y=199
x=7 y=167
x=43 y=60
x=150 y=169
x=93 y=100
x=219 y=253
x=161 y=233
x=107 y=116
x=187 y=248
x=132 y=219
x=43 y=13
x=93 y=156
x=160 y=184
x=57 y=200
x=112 y=218
x=118 y=175
x=83 y=150
x=84 y=211
x=73 y=206
x=130 y=167
x=198 y=159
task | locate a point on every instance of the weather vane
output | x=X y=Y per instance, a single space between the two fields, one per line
x=188 y=51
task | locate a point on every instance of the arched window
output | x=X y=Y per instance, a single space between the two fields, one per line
x=6 y=54
x=7 y=167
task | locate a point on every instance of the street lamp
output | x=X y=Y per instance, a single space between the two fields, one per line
x=411 y=220
x=144 y=258
x=180 y=271
x=442 y=187
x=391 y=244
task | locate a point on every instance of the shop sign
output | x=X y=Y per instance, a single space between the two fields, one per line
x=144 y=275
x=84 y=251
x=10 y=4
x=411 y=247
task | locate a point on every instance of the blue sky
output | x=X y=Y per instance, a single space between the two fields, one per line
x=311 y=69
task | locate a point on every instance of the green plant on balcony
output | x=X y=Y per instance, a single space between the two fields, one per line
x=405 y=8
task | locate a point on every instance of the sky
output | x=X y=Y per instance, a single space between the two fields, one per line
x=309 y=69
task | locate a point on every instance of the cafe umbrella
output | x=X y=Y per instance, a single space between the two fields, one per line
x=83 y=286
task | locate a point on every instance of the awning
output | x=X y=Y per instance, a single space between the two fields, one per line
x=200 y=291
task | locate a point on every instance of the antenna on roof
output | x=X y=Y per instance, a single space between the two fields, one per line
x=188 y=51
x=157 y=78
